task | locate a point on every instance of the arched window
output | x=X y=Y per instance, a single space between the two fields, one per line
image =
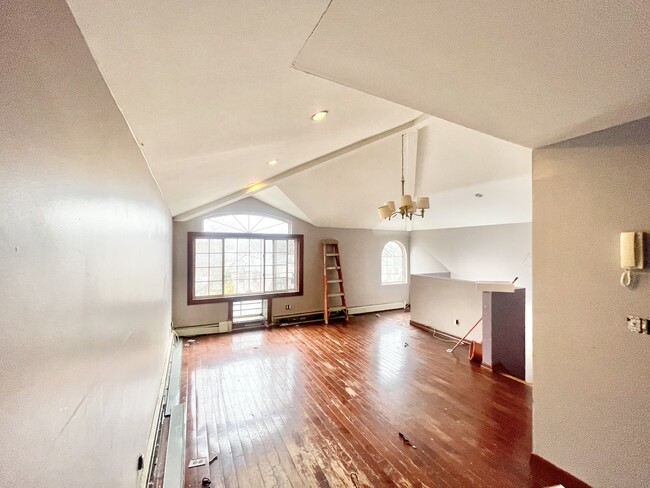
x=393 y=263
x=246 y=224
x=253 y=257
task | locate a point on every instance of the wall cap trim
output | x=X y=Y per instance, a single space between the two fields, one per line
x=567 y=479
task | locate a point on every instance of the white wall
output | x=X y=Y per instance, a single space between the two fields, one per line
x=438 y=302
x=485 y=253
x=360 y=259
x=592 y=380
x=85 y=254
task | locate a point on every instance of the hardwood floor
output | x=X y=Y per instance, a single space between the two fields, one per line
x=319 y=406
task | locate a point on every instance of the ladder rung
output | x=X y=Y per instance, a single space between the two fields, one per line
x=333 y=267
x=332 y=254
x=335 y=281
x=335 y=294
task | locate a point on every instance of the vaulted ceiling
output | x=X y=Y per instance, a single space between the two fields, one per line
x=528 y=71
x=213 y=91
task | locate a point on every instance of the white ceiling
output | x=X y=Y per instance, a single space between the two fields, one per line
x=453 y=164
x=208 y=90
x=210 y=94
x=528 y=71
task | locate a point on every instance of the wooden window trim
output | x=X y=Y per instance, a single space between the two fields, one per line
x=191 y=238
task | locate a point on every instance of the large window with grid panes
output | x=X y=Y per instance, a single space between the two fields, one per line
x=223 y=266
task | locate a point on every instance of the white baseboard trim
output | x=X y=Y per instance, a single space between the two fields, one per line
x=382 y=307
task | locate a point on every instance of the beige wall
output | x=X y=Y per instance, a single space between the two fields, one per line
x=85 y=254
x=360 y=257
x=592 y=381
x=484 y=253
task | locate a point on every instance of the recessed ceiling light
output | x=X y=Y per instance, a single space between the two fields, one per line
x=273 y=162
x=319 y=116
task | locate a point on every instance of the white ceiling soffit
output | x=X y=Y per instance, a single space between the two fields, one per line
x=274 y=197
x=451 y=156
x=208 y=90
x=506 y=201
x=455 y=163
x=527 y=71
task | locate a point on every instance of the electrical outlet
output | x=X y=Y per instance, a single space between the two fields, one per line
x=637 y=324
x=456 y=322
x=287 y=307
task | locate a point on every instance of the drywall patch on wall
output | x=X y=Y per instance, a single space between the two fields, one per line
x=85 y=247
x=592 y=382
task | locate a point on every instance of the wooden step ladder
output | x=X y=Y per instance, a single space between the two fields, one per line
x=333 y=289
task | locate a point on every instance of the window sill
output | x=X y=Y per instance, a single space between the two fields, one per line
x=237 y=298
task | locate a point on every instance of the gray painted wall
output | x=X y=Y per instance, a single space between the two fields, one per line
x=85 y=253
x=486 y=253
x=360 y=258
x=592 y=380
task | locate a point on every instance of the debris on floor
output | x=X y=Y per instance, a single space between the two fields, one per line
x=213 y=459
x=206 y=482
x=355 y=479
x=196 y=462
x=406 y=441
x=350 y=392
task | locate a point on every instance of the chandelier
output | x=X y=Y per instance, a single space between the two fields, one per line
x=407 y=208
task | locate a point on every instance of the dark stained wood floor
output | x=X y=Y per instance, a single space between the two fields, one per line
x=319 y=406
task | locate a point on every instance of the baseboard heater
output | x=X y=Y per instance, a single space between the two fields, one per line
x=174 y=381
x=205 y=329
x=383 y=307
x=298 y=318
x=175 y=456
x=317 y=315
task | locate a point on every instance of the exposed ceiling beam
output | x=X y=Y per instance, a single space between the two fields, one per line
x=252 y=189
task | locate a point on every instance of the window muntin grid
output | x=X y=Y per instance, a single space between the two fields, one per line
x=393 y=263
x=246 y=224
x=239 y=265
